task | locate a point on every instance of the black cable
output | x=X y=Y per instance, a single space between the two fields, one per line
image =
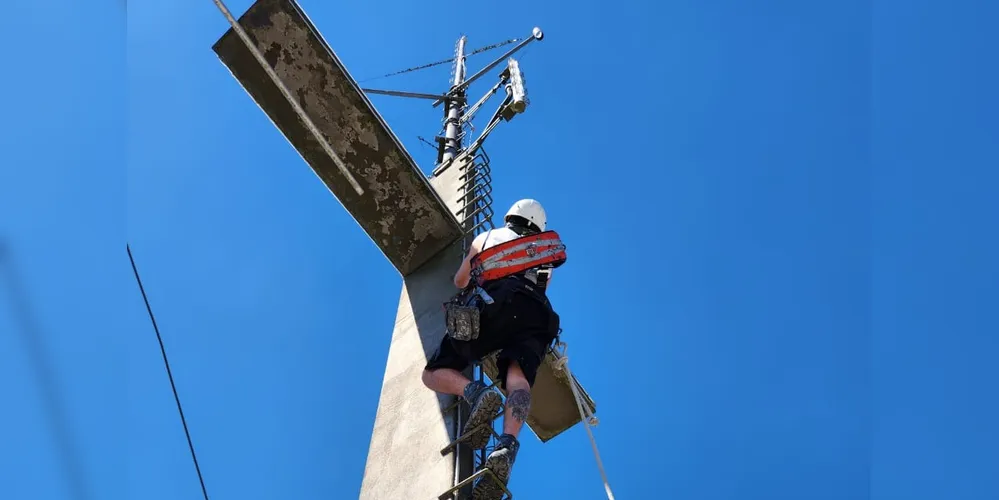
x=444 y=61
x=166 y=363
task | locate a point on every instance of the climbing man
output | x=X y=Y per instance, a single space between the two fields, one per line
x=516 y=319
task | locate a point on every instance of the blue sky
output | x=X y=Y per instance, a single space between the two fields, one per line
x=780 y=216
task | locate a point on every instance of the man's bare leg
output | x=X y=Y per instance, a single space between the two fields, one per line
x=518 y=401
x=500 y=461
x=484 y=402
x=446 y=380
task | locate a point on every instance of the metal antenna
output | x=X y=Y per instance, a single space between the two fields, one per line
x=457 y=114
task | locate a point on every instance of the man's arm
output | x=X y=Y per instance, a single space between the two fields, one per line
x=462 y=277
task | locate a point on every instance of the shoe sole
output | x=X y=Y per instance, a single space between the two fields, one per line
x=486 y=488
x=483 y=413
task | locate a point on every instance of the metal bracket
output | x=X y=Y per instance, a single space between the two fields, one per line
x=415 y=95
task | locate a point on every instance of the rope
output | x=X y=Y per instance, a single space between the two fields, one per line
x=585 y=415
x=287 y=95
x=180 y=409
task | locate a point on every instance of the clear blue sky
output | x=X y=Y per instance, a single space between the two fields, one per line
x=781 y=219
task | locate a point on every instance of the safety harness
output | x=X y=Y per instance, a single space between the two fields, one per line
x=535 y=251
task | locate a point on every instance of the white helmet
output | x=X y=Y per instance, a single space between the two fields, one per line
x=529 y=209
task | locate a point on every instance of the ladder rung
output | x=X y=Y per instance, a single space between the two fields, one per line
x=482 y=472
x=469 y=433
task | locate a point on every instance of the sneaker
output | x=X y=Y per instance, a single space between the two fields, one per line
x=500 y=462
x=485 y=403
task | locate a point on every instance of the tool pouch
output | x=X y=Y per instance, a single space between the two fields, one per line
x=462 y=321
x=462 y=313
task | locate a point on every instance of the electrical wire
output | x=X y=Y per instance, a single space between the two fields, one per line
x=443 y=61
x=166 y=363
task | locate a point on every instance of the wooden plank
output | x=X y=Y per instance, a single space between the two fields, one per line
x=399 y=210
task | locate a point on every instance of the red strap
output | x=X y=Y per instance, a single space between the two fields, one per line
x=537 y=250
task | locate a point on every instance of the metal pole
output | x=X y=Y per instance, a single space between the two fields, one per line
x=463 y=459
x=452 y=131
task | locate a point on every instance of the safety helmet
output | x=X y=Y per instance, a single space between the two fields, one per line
x=530 y=210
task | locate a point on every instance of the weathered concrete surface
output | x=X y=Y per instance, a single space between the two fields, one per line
x=399 y=210
x=410 y=424
x=410 y=428
x=449 y=182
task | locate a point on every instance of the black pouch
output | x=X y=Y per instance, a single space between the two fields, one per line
x=462 y=314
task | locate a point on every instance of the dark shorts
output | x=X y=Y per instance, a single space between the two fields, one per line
x=520 y=324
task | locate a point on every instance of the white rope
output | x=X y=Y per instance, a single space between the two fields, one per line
x=287 y=95
x=585 y=415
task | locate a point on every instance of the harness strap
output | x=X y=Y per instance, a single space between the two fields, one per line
x=527 y=252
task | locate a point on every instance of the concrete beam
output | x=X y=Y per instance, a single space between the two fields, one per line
x=399 y=210
x=410 y=424
x=410 y=428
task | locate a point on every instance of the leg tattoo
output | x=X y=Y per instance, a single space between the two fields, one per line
x=519 y=403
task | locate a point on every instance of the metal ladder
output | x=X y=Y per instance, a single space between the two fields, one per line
x=475 y=215
x=459 y=489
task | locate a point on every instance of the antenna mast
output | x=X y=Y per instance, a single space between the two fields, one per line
x=457 y=113
x=456 y=106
